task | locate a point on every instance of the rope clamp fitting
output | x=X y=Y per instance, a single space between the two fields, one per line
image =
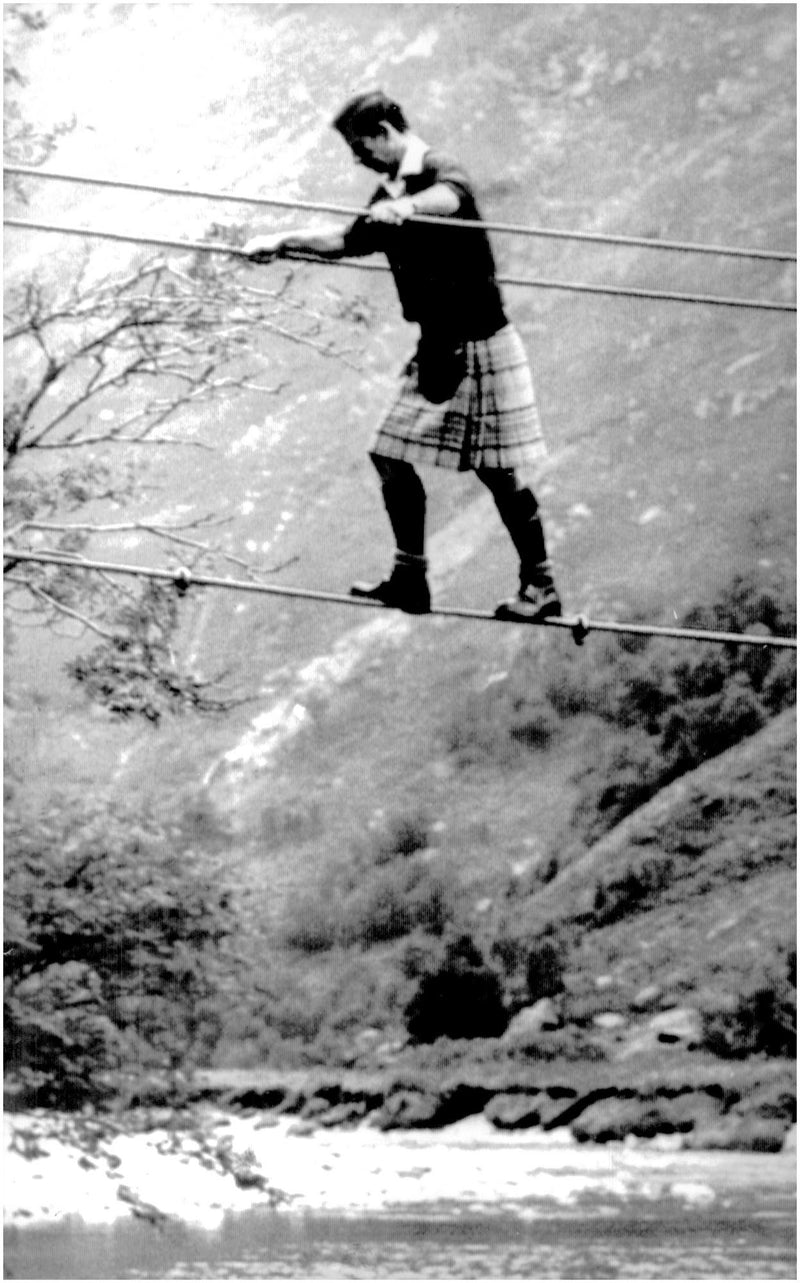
x=182 y=580
x=580 y=630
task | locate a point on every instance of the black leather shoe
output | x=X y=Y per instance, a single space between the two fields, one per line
x=408 y=592
x=533 y=604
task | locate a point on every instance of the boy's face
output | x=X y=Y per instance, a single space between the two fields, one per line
x=374 y=151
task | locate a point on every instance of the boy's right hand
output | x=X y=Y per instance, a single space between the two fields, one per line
x=263 y=249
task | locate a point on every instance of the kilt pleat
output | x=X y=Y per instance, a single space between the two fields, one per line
x=491 y=421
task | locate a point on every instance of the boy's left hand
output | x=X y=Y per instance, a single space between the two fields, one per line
x=393 y=212
x=262 y=249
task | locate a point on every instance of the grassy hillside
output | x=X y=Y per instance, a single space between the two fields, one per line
x=392 y=785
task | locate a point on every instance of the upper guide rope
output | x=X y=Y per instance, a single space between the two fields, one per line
x=515 y=229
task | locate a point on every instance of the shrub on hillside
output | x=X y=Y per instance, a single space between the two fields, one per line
x=499 y=722
x=113 y=955
x=366 y=906
x=311 y=920
x=748 y=602
x=458 y=997
x=779 y=689
x=402 y=833
x=133 y=673
x=680 y=705
x=622 y=775
x=386 y=889
x=531 y=956
x=630 y=890
x=392 y=902
x=692 y=700
x=763 y=1017
x=544 y=970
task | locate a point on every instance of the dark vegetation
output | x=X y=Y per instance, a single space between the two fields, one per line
x=658 y=709
x=132 y=673
x=115 y=961
x=762 y=1019
x=118 y=934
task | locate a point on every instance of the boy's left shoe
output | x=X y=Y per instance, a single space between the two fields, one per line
x=533 y=603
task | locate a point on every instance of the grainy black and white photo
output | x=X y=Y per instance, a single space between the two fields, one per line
x=400 y=640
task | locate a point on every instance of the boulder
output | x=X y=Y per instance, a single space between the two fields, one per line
x=647 y=999
x=368 y=1038
x=680 y=1115
x=302 y=1129
x=682 y=1025
x=407 y=1109
x=511 y=1110
x=695 y=1193
x=638 y=1042
x=314 y=1107
x=531 y=1021
x=767 y=1100
x=555 y=1113
x=613 y=1119
x=609 y=1020
x=758 y=1135
x=347 y=1114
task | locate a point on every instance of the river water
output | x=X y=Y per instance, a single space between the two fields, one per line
x=754 y=1239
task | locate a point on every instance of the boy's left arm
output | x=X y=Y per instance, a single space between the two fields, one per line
x=439 y=199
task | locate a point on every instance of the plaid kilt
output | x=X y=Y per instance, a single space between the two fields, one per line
x=490 y=422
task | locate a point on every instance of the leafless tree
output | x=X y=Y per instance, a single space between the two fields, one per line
x=97 y=371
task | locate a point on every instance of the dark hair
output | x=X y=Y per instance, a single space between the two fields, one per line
x=365 y=113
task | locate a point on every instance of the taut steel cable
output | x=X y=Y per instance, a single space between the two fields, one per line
x=515 y=229
x=537 y=283
x=578 y=625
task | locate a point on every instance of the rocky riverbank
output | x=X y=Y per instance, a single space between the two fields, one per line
x=736 y=1108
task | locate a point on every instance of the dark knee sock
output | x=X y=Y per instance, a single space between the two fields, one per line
x=519 y=513
x=404 y=500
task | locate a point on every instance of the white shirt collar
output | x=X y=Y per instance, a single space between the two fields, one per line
x=413 y=157
x=412 y=162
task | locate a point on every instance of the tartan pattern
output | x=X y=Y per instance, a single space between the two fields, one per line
x=491 y=421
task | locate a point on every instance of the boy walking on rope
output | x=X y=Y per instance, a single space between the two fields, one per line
x=466 y=398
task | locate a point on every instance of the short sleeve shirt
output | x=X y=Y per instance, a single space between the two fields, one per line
x=445 y=277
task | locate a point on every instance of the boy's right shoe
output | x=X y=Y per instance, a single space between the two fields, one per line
x=533 y=603
x=405 y=589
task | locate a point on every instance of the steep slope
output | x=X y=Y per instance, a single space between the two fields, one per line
x=689 y=902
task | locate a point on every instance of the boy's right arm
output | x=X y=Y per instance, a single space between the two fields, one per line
x=325 y=243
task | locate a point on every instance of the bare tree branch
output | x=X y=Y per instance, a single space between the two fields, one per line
x=115 y=527
x=168 y=533
x=59 y=606
x=100 y=438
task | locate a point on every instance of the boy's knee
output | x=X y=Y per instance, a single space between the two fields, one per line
x=513 y=499
x=501 y=481
x=392 y=469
